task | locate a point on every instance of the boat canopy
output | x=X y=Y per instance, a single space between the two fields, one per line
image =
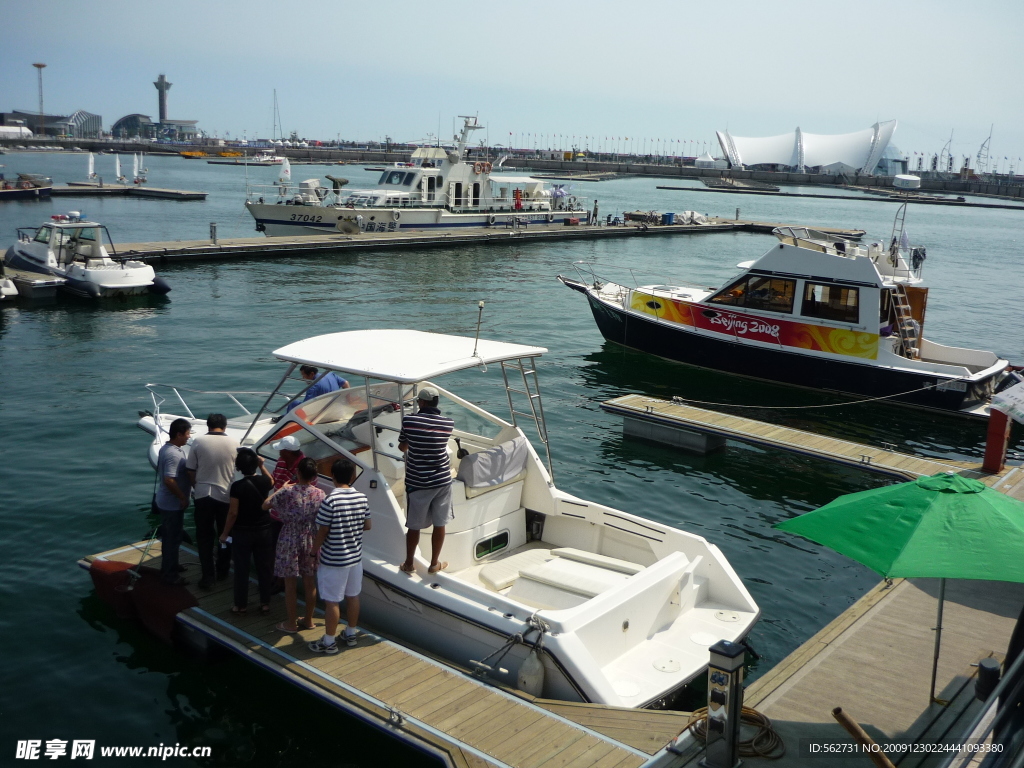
x=515 y=180
x=400 y=355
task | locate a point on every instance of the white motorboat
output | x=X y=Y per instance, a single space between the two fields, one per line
x=814 y=311
x=72 y=249
x=438 y=189
x=8 y=290
x=619 y=609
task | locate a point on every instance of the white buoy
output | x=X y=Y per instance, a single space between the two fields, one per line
x=531 y=675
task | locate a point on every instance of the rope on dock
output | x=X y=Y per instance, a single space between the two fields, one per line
x=764 y=743
x=685 y=400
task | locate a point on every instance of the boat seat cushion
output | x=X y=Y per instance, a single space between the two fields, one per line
x=573 y=576
x=601 y=561
x=501 y=574
x=494 y=466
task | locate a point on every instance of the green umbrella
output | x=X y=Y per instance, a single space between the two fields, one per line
x=944 y=526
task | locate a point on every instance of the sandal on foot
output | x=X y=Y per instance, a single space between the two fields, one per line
x=282 y=628
x=237 y=611
x=265 y=609
x=403 y=569
x=302 y=624
x=438 y=567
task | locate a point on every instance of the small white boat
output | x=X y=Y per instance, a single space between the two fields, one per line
x=619 y=609
x=8 y=290
x=72 y=249
x=438 y=189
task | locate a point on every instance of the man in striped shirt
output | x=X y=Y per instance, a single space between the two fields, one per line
x=341 y=520
x=428 y=477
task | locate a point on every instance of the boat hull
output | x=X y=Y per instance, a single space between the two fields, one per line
x=685 y=346
x=291 y=220
x=119 y=282
x=32 y=193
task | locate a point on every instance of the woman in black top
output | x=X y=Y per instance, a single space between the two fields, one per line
x=249 y=526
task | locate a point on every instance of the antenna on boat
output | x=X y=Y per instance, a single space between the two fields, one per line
x=479 y=319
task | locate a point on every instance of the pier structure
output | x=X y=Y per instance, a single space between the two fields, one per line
x=237 y=247
x=461 y=719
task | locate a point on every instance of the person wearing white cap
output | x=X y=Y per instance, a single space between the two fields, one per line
x=428 y=477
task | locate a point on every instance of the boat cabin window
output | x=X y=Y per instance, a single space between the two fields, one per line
x=311 y=447
x=831 y=302
x=409 y=178
x=392 y=177
x=43 y=235
x=491 y=544
x=771 y=294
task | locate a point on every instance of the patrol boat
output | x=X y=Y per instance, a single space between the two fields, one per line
x=439 y=188
x=71 y=249
x=815 y=311
x=605 y=606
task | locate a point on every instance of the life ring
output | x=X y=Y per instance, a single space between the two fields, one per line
x=487 y=167
x=478 y=168
x=551 y=217
x=492 y=220
x=396 y=215
x=24 y=185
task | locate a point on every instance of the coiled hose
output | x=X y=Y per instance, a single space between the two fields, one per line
x=764 y=743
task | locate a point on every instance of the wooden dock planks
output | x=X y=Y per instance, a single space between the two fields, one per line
x=755 y=432
x=445 y=711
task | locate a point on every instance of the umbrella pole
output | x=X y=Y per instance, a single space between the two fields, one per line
x=938 y=641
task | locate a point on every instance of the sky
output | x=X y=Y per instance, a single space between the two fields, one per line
x=599 y=71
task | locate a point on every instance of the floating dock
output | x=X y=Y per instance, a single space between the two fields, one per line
x=442 y=710
x=663 y=419
x=226 y=248
x=89 y=189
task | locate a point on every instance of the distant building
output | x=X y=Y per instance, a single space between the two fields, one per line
x=798 y=151
x=79 y=125
x=130 y=126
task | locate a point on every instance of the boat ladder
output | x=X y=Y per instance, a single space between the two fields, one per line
x=531 y=391
x=907 y=327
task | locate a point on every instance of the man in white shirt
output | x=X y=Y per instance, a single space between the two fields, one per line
x=211 y=466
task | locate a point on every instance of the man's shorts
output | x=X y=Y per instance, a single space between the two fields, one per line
x=335 y=583
x=429 y=507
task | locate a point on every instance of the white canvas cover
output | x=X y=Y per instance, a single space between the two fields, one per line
x=494 y=466
x=1011 y=402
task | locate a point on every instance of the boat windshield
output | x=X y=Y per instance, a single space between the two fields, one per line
x=44 y=234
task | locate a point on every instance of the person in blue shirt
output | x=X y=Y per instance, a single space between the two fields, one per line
x=332 y=382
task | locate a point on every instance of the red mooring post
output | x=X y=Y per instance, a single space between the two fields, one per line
x=996 y=441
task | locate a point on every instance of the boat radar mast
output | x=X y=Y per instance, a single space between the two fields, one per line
x=470 y=124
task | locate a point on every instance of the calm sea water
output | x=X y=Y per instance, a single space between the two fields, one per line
x=75 y=479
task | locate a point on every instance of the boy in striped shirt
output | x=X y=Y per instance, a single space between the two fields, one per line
x=428 y=477
x=342 y=518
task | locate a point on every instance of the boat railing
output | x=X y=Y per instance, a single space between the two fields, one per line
x=162 y=393
x=588 y=273
x=294 y=194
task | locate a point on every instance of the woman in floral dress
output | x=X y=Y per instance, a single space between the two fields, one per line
x=296 y=504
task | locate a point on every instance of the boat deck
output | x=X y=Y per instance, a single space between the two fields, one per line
x=434 y=706
x=903 y=466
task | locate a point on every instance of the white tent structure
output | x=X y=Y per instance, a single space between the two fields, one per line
x=798 y=150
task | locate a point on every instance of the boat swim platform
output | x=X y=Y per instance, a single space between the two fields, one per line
x=663 y=419
x=163 y=253
x=91 y=189
x=462 y=720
